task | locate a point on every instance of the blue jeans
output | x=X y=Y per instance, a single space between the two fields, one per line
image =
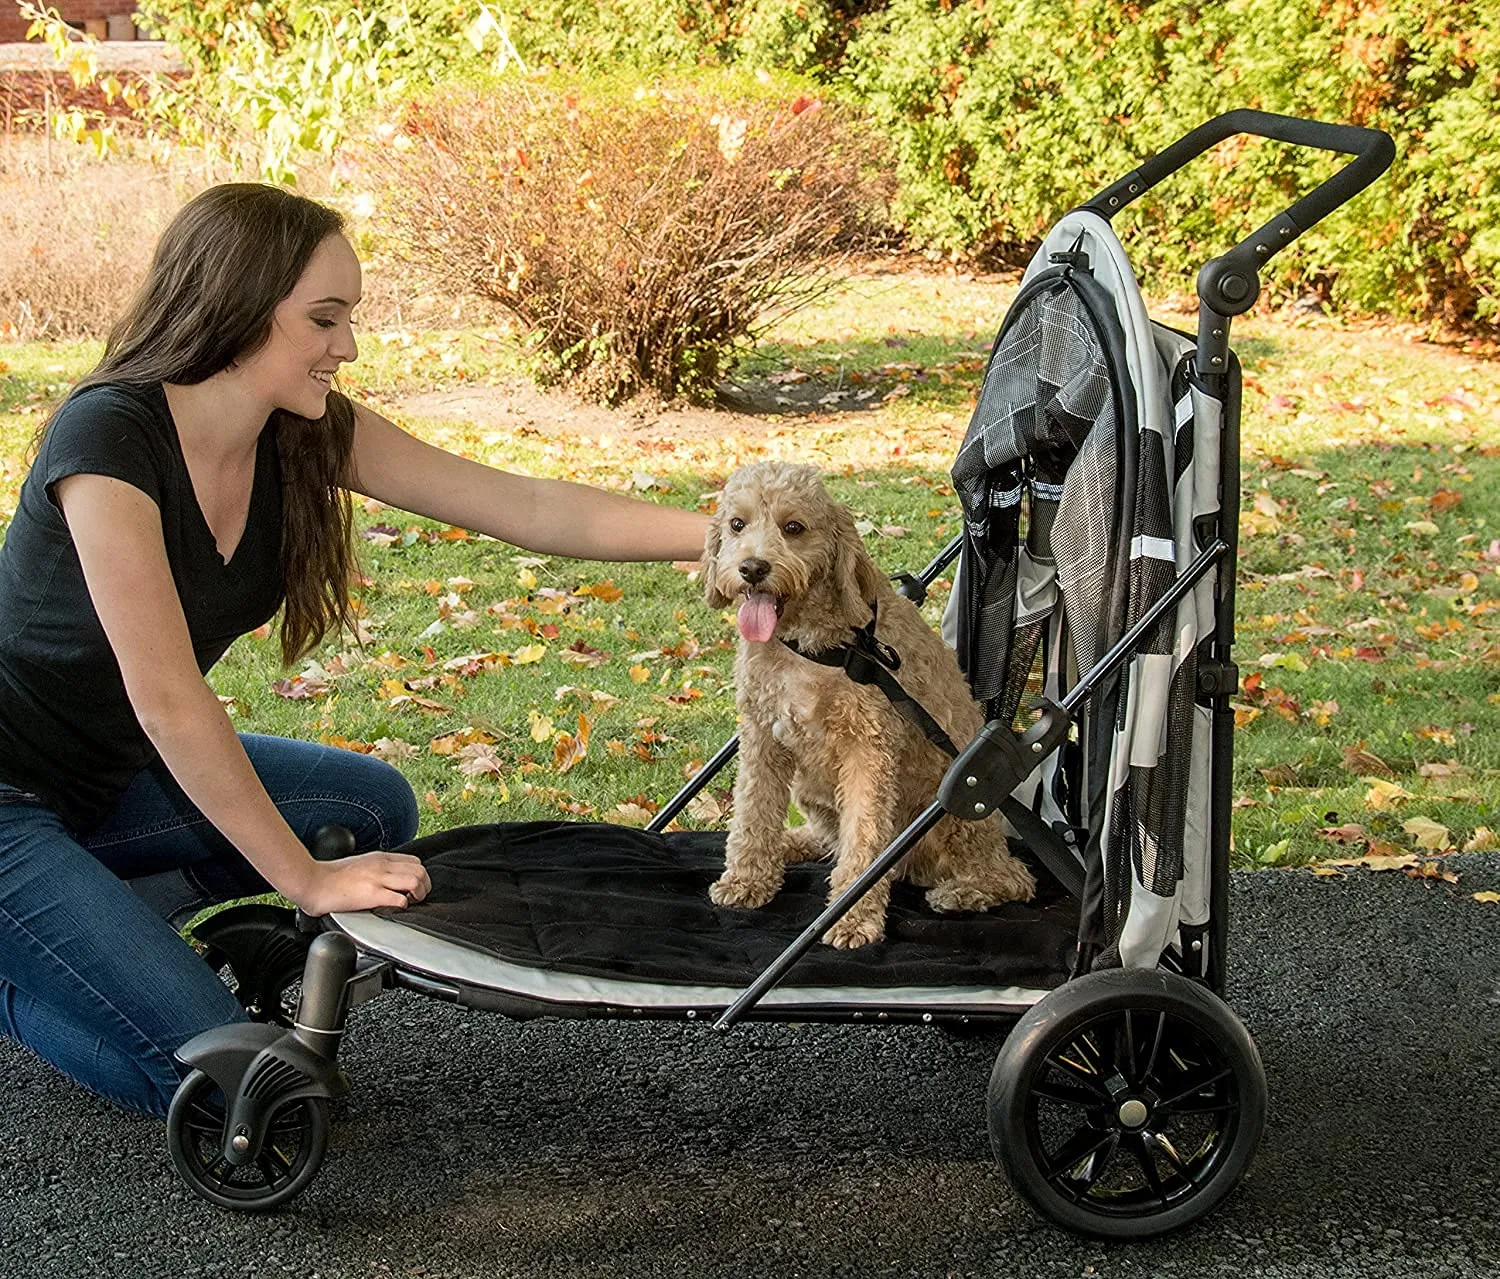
x=94 y=976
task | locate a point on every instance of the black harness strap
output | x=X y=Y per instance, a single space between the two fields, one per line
x=866 y=660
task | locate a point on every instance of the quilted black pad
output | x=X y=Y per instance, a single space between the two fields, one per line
x=612 y=901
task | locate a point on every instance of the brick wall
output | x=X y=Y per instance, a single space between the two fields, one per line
x=92 y=15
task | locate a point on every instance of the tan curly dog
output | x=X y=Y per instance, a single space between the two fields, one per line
x=857 y=769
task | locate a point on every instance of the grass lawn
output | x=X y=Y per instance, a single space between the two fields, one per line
x=509 y=687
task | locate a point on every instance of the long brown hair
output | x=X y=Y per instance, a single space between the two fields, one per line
x=220 y=269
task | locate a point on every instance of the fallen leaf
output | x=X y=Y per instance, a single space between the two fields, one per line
x=529 y=653
x=393 y=749
x=1361 y=762
x=1487 y=896
x=1481 y=841
x=639 y=673
x=1280 y=775
x=1327 y=872
x=1349 y=833
x=1383 y=794
x=541 y=725
x=1427 y=833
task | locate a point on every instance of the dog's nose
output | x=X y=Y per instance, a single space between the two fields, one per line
x=754 y=571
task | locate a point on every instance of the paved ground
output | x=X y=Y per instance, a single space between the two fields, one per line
x=472 y=1147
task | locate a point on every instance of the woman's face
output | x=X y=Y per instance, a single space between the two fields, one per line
x=311 y=334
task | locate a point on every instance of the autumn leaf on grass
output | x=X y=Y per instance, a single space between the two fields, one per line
x=1444 y=500
x=1349 y=833
x=570 y=749
x=453 y=743
x=479 y=759
x=1427 y=833
x=558 y=799
x=580 y=653
x=1383 y=794
x=1363 y=763
x=1264 y=515
x=606 y=591
x=1280 y=775
x=392 y=749
x=312 y=682
x=639 y=674
x=1481 y=841
x=527 y=654
x=708 y=808
x=630 y=814
x=541 y=725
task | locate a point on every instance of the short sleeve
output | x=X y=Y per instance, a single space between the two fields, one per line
x=103 y=431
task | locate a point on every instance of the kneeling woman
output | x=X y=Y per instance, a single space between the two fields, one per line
x=193 y=484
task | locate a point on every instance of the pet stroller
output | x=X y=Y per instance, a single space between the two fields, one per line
x=1092 y=612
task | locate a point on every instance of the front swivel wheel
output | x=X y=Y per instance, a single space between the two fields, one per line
x=289 y=1158
x=1127 y=1103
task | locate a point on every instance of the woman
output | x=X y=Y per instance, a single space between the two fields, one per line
x=195 y=482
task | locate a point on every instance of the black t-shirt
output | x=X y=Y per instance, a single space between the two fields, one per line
x=67 y=730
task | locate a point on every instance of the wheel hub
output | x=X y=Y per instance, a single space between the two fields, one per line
x=1134 y=1113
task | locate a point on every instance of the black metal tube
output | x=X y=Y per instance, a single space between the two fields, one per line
x=1373 y=151
x=1127 y=642
x=695 y=783
x=835 y=911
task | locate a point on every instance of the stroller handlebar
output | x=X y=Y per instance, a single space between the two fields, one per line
x=1229 y=285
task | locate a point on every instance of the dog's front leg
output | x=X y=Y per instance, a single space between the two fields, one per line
x=867 y=790
x=754 y=865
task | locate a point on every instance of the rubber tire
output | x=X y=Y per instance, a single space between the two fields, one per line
x=309 y=1157
x=1057 y=1017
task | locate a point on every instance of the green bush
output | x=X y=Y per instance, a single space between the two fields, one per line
x=1005 y=115
x=639 y=233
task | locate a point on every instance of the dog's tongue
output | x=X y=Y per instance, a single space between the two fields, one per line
x=758 y=617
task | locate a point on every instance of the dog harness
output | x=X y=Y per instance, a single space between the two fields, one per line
x=866 y=660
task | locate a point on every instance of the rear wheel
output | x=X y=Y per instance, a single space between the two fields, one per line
x=1127 y=1103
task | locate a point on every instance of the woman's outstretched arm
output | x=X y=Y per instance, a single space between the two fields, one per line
x=553 y=517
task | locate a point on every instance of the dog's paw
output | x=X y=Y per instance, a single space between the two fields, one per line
x=961 y=897
x=743 y=890
x=854 y=931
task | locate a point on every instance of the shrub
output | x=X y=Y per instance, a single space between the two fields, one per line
x=78 y=234
x=1005 y=115
x=639 y=235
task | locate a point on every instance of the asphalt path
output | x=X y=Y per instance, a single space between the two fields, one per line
x=475 y=1147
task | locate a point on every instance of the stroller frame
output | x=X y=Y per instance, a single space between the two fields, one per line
x=1119 y=1050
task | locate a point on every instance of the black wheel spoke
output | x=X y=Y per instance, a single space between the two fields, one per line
x=1169 y=1152
x=1216 y=1107
x=1198 y=1086
x=1066 y=1094
x=1129 y=1071
x=1076 y=1072
x=1076 y=1149
x=1140 y=1148
x=1156 y=1041
x=272 y=1168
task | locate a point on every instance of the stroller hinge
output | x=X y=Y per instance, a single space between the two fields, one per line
x=998 y=760
x=1218 y=679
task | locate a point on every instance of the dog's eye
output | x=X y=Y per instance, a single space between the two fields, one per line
x=737 y=524
x=792 y=528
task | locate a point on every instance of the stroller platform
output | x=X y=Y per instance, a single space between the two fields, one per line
x=578 y=917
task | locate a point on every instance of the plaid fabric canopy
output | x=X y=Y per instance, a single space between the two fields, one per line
x=1091 y=461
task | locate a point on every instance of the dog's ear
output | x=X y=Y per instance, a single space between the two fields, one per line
x=857 y=578
x=708 y=567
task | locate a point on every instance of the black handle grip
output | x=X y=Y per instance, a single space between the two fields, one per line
x=1229 y=285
